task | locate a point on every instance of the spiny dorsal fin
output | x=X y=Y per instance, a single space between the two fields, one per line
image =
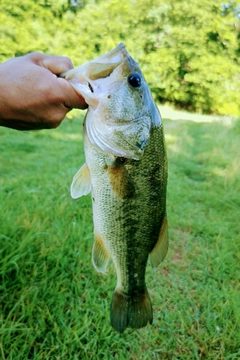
x=100 y=256
x=81 y=184
x=161 y=247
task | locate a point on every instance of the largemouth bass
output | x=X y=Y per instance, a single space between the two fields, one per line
x=126 y=173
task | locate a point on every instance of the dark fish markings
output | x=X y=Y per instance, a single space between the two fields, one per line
x=120 y=179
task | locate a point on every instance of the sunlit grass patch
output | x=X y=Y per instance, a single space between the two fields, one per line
x=53 y=305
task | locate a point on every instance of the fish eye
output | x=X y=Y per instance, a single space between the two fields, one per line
x=134 y=80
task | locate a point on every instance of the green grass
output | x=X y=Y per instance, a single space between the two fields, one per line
x=54 y=305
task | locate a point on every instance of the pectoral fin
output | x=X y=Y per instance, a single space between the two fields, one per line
x=161 y=247
x=100 y=256
x=81 y=184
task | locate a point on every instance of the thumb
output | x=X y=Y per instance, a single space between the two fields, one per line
x=71 y=98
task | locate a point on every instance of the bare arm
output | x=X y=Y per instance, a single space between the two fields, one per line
x=31 y=94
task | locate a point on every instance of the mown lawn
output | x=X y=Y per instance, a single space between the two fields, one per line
x=53 y=304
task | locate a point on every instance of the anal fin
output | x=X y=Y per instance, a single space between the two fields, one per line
x=161 y=247
x=100 y=256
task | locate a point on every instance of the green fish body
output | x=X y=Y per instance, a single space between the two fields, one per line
x=126 y=173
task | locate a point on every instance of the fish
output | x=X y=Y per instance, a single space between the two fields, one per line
x=126 y=174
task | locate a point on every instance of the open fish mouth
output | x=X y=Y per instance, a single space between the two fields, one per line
x=86 y=79
x=100 y=67
x=104 y=65
x=94 y=79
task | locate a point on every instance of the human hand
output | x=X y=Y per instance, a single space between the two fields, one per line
x=32 y=96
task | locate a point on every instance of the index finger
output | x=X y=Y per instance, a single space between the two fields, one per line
x=57 y=64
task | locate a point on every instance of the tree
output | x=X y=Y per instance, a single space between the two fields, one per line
x=188 y=51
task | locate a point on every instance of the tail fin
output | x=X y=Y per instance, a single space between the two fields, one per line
x=127 y=311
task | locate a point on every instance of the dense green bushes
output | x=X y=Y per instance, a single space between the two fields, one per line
x=189 y=51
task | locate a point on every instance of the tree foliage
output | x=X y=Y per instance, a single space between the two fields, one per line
x=189 y=51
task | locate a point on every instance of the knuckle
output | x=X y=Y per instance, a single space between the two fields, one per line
x=36 y=56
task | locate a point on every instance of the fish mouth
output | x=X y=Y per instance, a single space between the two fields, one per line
x=86 y=79
x=104 y=65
